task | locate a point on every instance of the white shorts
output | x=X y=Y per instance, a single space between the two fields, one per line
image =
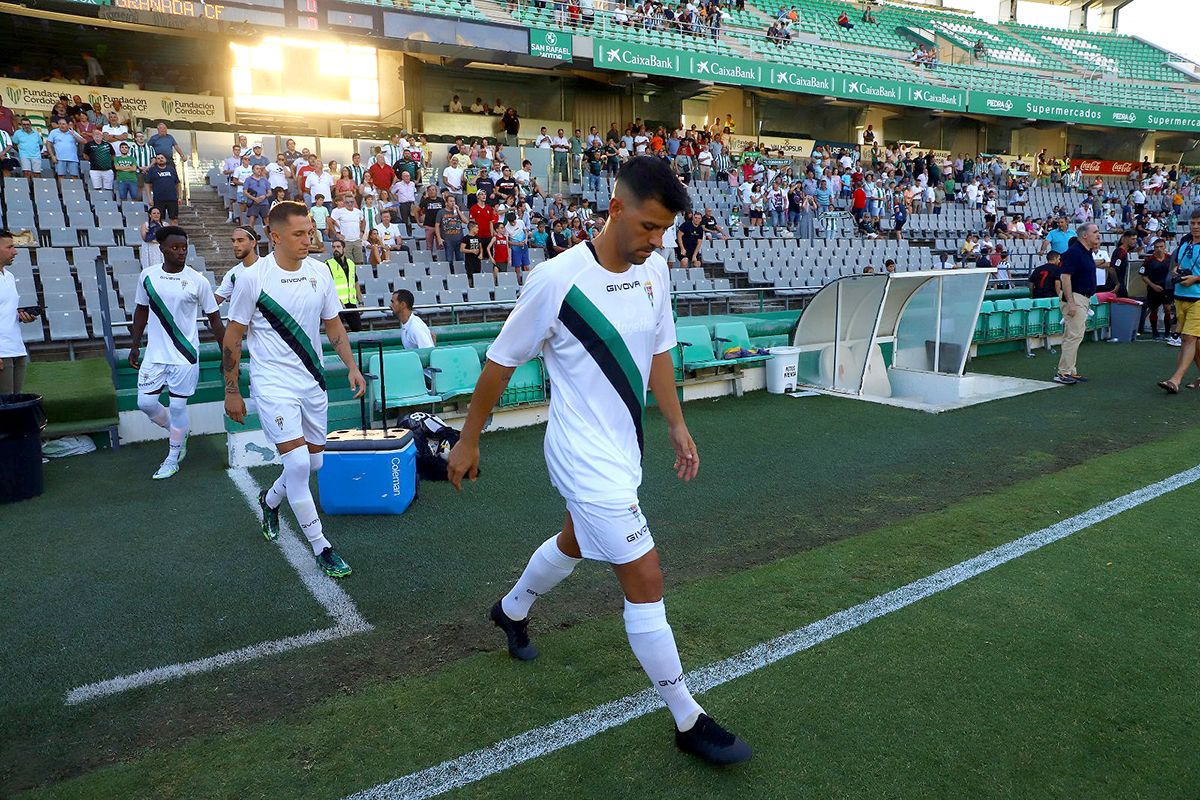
x=612 y=531
x=180 y=379
x=102 y=179
x=286 y=419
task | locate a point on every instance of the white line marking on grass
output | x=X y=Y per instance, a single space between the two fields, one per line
x=332 y=597
x=477 y=765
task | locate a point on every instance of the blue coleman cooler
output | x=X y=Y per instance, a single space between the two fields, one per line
x=368 y=471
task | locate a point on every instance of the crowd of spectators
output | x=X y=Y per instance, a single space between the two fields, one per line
x=123 y=162
x=701 y=18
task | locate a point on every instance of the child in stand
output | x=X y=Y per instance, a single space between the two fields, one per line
x=498 y=252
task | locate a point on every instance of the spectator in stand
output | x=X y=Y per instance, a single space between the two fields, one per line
x=511 y=123
x=319 y=213
x=151 y=254
x=345 y=185
x=163 y=142
x=114 y=130
x=430 y=207
x=8 y=121
x=349 y=225
x=101 y=157
x=690 y=238
x=127 y=173
x=62 y=145
x=164 y=184
x=479 y=107
x=1059 y=237
x=29 y=144
x=559 y=240
x=357 y=171
x=318 y=181
x=405 y=191
x=451 y=225
x=258 y=195
x=483 y=214
x=843 y=21
x=389 y=234
x=455 y=106
x=279 y=174
x=561 y=147
x=382 y=173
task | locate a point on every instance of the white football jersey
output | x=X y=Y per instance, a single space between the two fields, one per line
x=175 y=301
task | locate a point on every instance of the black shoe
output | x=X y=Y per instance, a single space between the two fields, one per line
x=712 y=743
x=517 y=631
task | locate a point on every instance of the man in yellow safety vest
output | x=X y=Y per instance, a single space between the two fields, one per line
x=346 y=283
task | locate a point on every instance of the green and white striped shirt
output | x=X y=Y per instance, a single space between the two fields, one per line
x=5 y=141
x=393 y=153
x=356 y=172
x=371 y=216
x=143 y=154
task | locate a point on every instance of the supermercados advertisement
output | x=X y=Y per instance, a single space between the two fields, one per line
x=40 y=97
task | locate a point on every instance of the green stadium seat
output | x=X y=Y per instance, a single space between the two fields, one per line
x=455 y=370
x=1054 y=323
x=405 y=379
x=734 y=334
x=1035 y=318
x=527 y=385
x=1014 y=319
x=696 y=348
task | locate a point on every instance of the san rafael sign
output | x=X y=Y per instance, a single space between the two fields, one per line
x=550 y=44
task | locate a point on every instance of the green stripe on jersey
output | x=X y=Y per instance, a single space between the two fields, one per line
x=290 y=331
x=159 y=307
x=611 y=337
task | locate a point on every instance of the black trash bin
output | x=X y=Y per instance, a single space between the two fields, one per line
x=21 y=422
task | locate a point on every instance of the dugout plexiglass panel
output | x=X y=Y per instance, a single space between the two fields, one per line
x=836 y=331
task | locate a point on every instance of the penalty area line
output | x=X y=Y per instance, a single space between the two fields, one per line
x=331 y=597
x=479 y=764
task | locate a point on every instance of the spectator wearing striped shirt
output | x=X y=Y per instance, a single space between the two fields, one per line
x=143 y=156
x=393 y=151
x=356 y=168
x=9 y=163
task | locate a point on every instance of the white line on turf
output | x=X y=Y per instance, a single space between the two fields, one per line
x=477 y=765
x=337 y=604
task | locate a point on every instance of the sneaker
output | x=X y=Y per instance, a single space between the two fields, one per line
x=270 y=518
x=517 y=631
x=166 y=469
x=332 y=564
x=1079 y=379
x=1175 y=342
x=1065 y=380
x=709 y=741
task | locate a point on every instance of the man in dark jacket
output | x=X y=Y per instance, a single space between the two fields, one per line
x=1078 y=278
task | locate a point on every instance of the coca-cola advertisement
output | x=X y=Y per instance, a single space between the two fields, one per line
x=1091 y=166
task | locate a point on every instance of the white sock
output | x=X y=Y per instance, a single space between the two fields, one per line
x=654 y=645
x=299 y=497
x=178 y=428
x=153 y=409
x=548 y=567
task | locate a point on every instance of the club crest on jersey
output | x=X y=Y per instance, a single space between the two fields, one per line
x=649 y=293
x=313 y=281
x=633 y=509
x=279 y=422
x=183 y=283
